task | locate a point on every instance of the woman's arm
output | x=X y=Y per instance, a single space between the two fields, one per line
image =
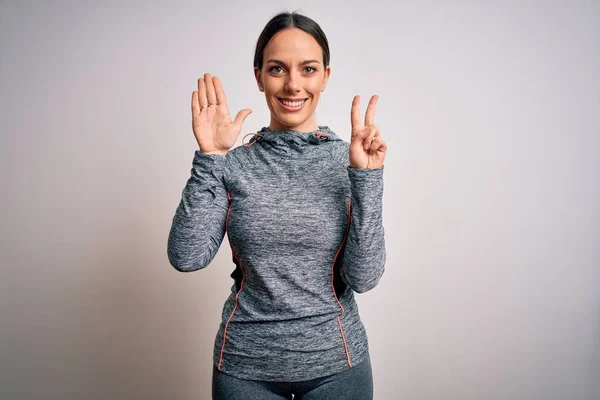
x=364 y=256
x=198 y=226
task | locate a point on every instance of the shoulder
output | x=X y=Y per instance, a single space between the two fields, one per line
x=238 y=156
x=340 y=150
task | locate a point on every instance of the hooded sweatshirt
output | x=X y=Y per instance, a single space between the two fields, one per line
x=305 y=231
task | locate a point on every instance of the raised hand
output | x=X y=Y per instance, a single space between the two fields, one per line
x=367 y=148
x=213 y=127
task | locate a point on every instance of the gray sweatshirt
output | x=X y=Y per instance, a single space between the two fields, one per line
x=305 y=231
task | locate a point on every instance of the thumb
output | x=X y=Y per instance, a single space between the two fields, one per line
x=241 y=116
x=356 y=146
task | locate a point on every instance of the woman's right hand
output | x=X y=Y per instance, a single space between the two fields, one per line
x=213 y=127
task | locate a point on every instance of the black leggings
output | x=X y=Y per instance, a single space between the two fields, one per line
x=355 y=383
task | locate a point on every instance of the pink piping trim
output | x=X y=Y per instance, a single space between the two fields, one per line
x=338 y=252
x=241 y=284
x=333 y=288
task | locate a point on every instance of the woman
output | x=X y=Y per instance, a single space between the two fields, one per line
x=303 y=213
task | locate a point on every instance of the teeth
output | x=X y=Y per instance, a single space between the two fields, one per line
x=292 y=103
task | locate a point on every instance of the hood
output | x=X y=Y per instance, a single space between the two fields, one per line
x=293 y=138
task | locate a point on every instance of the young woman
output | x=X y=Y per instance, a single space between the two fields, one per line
x=303 y=212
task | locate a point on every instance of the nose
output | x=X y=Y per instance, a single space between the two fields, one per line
x=292 y=83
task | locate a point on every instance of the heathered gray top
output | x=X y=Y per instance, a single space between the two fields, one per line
x=305 y=231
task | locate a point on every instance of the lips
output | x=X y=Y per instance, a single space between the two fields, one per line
x=292 y=104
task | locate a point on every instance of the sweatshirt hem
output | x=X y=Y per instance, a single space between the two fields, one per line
x=276 y=376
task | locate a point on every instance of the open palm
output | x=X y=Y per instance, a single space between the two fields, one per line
x=367 y=148
x=213 y=127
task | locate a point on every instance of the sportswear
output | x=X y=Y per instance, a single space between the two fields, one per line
x=305 y=231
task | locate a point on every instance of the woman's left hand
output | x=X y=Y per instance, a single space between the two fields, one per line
x=367 y=148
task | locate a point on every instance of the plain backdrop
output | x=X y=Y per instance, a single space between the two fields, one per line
x=491 y=113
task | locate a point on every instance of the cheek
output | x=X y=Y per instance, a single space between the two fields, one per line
x=272 y=84
x=315 y=87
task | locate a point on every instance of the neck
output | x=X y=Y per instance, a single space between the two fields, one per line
x=307 y=126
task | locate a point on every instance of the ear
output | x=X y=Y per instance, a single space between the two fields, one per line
x=258 y=79
x=327 y=73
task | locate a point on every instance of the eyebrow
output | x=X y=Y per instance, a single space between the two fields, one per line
x=302 y=63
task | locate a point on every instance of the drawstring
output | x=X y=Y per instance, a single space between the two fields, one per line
x=321 y=135
x=251 y=142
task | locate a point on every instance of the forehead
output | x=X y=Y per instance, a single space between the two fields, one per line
x=293 y=44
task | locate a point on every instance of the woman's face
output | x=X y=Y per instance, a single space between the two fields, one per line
x=292 y=70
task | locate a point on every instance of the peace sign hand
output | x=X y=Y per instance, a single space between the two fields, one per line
x=367 y=148
x=213 y=127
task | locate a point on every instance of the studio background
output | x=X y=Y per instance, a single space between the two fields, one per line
x=491 y=114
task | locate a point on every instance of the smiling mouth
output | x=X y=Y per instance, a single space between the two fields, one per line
x=292 y=104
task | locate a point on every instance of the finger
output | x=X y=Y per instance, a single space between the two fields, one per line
x=369 y=139
x=370 y=115
x=354 y=113
x=220 y=93
x=375 y=144
x=382 y=145
x=378 y=147
x=210 y=89
x=202 y=92
x=195 y=105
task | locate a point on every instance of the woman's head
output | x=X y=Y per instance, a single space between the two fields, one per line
x=291 y=62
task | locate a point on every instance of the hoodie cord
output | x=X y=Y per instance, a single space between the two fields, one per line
x=251 y=142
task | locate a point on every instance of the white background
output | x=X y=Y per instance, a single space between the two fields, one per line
x=491 y=114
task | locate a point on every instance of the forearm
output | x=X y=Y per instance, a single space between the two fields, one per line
x=365 y=254
x=198 y=226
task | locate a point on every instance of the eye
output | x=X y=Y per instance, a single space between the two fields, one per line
x=313 y=69
x=272 y=68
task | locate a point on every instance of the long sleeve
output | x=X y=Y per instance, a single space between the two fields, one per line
x=364 y=256
x=198 y=226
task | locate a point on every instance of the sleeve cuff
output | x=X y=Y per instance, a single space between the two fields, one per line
x=365 y=173
x=366 y=182
x=207 y=166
